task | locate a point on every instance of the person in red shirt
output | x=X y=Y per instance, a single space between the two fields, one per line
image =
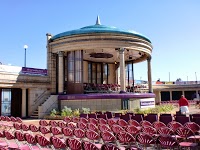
x=183 y=105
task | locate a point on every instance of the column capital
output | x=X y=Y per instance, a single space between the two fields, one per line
x=149 y=58
x=61 y=53
x=121 y=50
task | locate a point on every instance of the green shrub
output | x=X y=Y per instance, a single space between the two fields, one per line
x=76 y=112
x=66 y=111
x=85 y=110
x=53 y=113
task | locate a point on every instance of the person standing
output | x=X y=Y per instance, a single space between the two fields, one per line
x=183 y=105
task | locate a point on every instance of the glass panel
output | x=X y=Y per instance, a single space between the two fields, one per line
x=94 y=73
x=78 y=66
x=99 y=73
x=6 y=102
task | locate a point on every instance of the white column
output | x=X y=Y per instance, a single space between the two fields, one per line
x=159 y=96
x=23 y=102
x=122 y=69
x=170 y=95
x=149 y=74
x=60 y=72
x=197 y=94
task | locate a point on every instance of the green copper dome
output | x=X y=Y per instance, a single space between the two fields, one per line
x=98 y=28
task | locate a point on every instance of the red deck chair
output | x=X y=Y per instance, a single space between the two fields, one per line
x=42 y=141
x=104 y=127
x=167 y=141
x=108 y=137
x=30 y=139
x=73 y=144
x=57 y=143
x=86 y=145
x=79 y=133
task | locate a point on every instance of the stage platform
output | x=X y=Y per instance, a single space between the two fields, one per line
x=107 y=101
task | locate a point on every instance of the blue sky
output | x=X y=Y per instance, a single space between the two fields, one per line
x=173 y=26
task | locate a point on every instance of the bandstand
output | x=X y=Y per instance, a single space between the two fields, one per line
x=96 y=60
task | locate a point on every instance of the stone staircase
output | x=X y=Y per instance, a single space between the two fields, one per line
x=45 y=107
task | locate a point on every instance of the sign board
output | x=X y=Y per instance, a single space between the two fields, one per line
x=147 y=103
x=34 y=71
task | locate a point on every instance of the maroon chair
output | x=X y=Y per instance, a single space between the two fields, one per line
x=158 y=125
x=145 y=123
x=122 y=123
x=61 y=124
x=42 y=141
x=71 y=125
x=185 y=134
x=79 y=133
x=33 y=128
x=103 y=116
x=92 y=135
x=108 y=114
x=67 y=132
x=92 y=126
x=125 y=117
x=193 y=126
x=57 y=143
x=73 y=144
x=125 y=138
x=165 y=130
x=55 y=131
x=174 y=125
x=86 y=145
x=25 y=127
x=117 y=115
x=151 y=118
x=109 y=146
x=67 y=119
x=84 y=116
x=104 y=127
x=117 y=128
x=75 y=119
x=93 y=120
x=53 y=123
x=10 y=137
x=145 y=140
x=44 y=130
x=196 y=120
x=137 y=117
x=111 y=121
x=84 y=120
x=102 y=121
x=19 y=136
x=132 y=130
x=3 y=142
x=134 y=123
x=92 y=116
x=43 y=123
x=149 y=130
x=108 y=137
x=182 y=119
x=81 y=125
x=167 y=141
x=30 y=139
x=166 y=119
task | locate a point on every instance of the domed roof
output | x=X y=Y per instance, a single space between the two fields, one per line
x=98 y=28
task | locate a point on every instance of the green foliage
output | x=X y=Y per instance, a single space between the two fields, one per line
x=76 y=112
x=158 y=109
x=53 y=113
x=86 y=110
x=66 y=111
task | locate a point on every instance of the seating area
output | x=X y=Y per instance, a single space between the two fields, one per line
x=100 y=88
x=97 y=131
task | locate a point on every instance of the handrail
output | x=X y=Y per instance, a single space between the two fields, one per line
x=40 y=97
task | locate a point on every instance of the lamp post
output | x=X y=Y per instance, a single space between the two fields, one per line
x=25 y=47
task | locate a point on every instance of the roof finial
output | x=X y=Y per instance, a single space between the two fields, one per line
x=98 y=21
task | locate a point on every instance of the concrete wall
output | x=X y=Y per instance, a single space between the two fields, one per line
x=94 y=105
